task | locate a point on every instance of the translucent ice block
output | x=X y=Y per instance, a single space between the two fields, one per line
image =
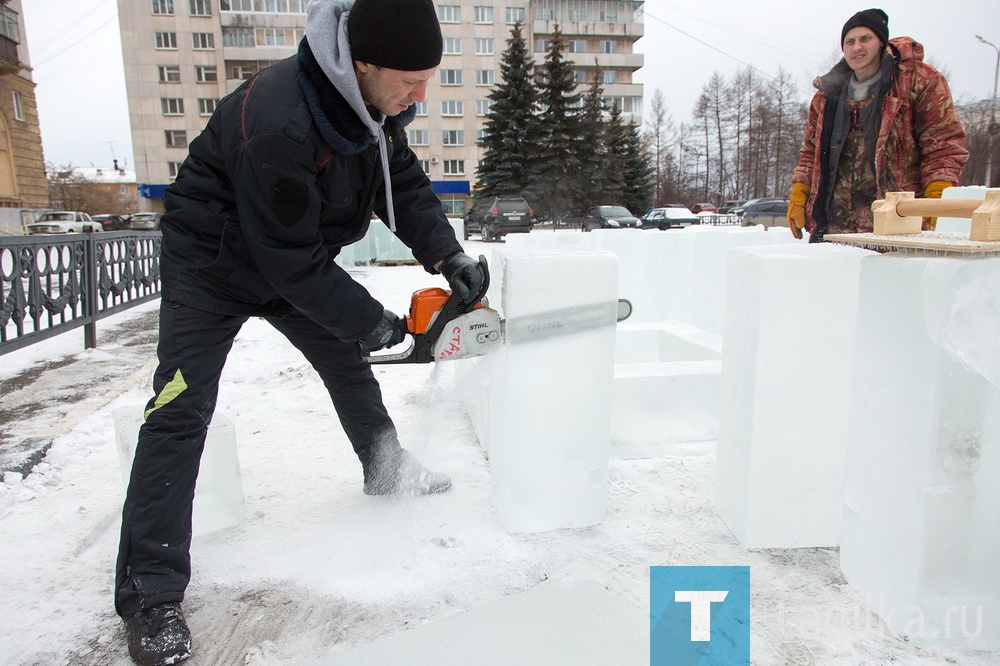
x=218 y=497
x=785 y=393
x=921 y=530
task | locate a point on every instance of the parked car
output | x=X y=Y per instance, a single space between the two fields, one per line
x=609 y=217
x=495 y=217
x=110 y=222
x=704 y=208
x=669 y=218
x=738 y=210
x=63 y=222
x=768 y=213
x=144 y=222
x=728 y=206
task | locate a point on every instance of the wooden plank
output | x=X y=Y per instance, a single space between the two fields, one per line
x=926 y=241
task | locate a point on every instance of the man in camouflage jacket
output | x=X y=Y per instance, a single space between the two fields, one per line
x=881 y=120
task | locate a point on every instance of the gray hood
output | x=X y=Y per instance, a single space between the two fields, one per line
x=326 y=30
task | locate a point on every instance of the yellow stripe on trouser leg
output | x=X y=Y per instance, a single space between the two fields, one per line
x=174 y=388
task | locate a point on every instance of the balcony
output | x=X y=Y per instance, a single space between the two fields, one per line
x=9 y=61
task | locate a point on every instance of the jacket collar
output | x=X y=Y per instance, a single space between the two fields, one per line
x=336 y=120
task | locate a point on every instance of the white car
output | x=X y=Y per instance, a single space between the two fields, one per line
x=63 y=222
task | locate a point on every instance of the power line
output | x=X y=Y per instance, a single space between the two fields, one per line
x=72 y=44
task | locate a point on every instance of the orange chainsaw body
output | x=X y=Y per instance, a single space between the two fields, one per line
x=424 y=305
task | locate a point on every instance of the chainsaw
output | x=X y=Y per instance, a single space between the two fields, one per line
x=444 y=327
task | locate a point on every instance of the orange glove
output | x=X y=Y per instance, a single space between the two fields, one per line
x=797 y=208
x=933 y=191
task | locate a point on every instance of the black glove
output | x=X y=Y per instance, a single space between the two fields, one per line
x=464 y=274
x=388 y=332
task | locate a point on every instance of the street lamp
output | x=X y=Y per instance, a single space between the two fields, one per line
x=993 y=128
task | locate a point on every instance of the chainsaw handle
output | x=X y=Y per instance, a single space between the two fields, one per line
x=477 y=297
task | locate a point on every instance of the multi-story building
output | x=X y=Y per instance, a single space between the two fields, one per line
x=22 y=163
x=182 y=56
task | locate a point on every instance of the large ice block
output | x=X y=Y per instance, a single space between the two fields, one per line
x=550 y=409
x=785 y=393
x=218 y=497
x=959 y=224
x=921 y=530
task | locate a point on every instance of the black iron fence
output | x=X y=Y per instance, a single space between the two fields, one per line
x=55 y=283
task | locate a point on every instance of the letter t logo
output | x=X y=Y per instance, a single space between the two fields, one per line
x=701 y=610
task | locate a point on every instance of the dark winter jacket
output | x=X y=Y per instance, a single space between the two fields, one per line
x=283 y=176
x=918 y=137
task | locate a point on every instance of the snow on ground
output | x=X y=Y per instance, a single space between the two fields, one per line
x=317 y=564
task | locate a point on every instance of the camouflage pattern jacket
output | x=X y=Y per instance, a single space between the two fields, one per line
x=919 y=138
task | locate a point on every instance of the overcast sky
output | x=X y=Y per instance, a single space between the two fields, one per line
x=75 y=50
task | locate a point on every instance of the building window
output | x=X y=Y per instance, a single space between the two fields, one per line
x=207 y=106
x=609 y=15
x=278 y=36
x=15 y=98
x=452 y=46
x=163 y=7
x=453 y=138
x=172 y=106
x=609 y=76
x=419 y=137
x=480 y=136
x=609 y=46
x=236 y=5
x=242 y=71
x=426 y=166
x=451 y=107
x=8 y=24
x=483 y=106
x=206 y=73
x=238 y=37
x=484 y=77
x=449 y=14
x=454 y=167
x=542 y=45
x=200 y=7
x=580 y=75
x=176 y=138
x=169 y=73
x=451 y=77
x=545 y=14
x=515 y=15
x=484 y=46
x=576 y=46
x=483 y=14
x=173 y=168
x=421 y=107
x=202 y=41
x=578 y=15
x=166 y=40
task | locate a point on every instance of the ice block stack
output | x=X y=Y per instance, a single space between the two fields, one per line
x=785 y=393
x=921 y=530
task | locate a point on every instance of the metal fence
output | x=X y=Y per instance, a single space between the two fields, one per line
x=55 y=283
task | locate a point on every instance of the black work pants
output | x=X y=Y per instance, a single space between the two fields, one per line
x=154 y=561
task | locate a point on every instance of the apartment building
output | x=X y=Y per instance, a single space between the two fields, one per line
x=22 y=164
x=182 y=56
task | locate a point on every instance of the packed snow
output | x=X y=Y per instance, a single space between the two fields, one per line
x=317 y=567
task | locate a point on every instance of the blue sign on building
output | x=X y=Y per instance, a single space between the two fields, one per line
x=149 y=191
x=451 y=186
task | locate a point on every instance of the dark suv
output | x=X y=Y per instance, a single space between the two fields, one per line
x=495 y=217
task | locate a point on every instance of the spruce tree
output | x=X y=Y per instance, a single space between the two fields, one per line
x=637 y=173
x=559 y=188
x=510 y=140
x=615 y=158
x=591 y=147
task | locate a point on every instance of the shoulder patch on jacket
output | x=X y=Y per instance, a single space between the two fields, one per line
x=289 y=201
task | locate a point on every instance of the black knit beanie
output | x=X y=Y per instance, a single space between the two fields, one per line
x=398 y=34
x=875 y=20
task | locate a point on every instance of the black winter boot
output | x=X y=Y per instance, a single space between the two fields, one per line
x=401 y=474
x=158 y=636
